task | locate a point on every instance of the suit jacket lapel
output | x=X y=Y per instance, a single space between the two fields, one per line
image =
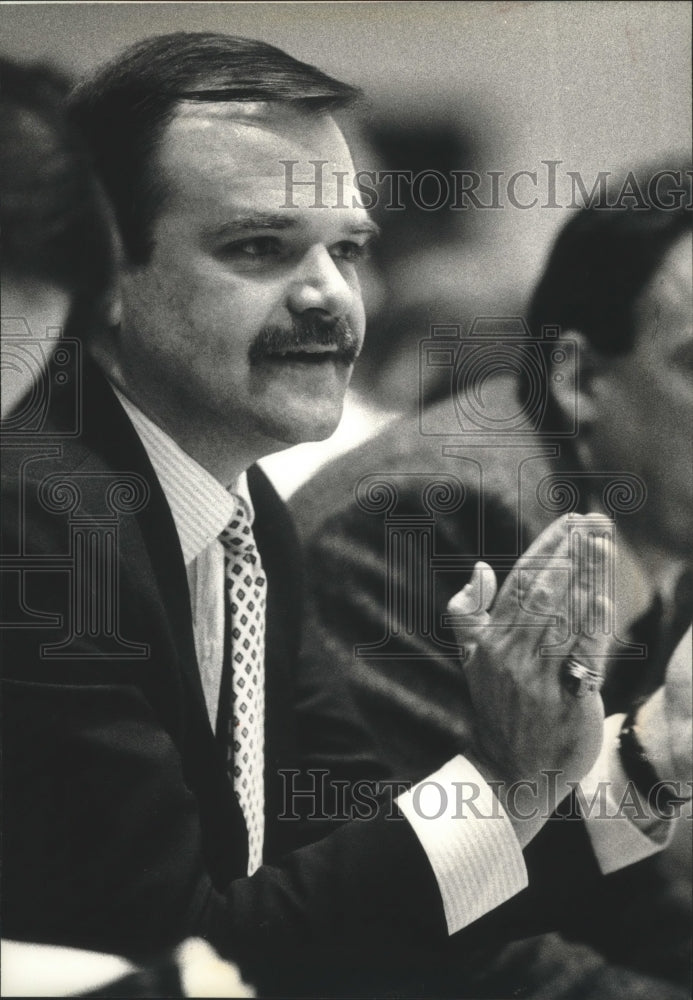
x=109 y=432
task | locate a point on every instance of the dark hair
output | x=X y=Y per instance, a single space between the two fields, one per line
x=55 y=222
x=600 y=263
x=604 y=258
x=124 y=107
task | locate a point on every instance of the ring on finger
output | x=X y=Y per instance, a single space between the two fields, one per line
x=578 y=679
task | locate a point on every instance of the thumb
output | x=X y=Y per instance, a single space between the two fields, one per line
x=476 y=598
x=467 y=609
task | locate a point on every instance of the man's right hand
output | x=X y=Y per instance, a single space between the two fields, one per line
x=527 y=722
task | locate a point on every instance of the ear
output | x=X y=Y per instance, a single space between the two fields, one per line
x=103 y=343
x=573 y=387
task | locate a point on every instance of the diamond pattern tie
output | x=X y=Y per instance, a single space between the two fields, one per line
x=246 y=586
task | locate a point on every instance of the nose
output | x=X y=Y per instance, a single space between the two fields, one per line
x=319 y=284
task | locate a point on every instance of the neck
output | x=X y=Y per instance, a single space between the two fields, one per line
x=224 y=455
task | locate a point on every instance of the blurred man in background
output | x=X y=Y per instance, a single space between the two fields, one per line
x=591 y=410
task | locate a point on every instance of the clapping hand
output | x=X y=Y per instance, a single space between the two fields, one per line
x=534 y=662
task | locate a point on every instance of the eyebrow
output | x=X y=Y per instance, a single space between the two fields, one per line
x=252 y=223
x=366 y=228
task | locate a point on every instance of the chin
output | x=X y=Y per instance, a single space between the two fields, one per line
x=291 y=429
x=316 y=432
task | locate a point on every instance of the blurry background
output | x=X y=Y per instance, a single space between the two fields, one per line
x=597 y=85
x=489 y=86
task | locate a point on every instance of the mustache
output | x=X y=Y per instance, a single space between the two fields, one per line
x=304 y=332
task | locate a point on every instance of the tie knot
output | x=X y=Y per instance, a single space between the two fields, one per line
x=237 y=536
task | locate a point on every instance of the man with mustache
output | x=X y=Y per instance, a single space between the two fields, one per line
x=152 y=707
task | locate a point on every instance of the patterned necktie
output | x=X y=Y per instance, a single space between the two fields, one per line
x=246 y=586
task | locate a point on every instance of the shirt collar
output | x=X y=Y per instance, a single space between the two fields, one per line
x=201 y=507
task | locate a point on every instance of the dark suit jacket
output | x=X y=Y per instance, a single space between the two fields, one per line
x=449 y=499
x=121 y=829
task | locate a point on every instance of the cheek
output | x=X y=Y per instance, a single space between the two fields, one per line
x=661 y=444
x=221 y=317
x=357 y=311
x=241 y=306
x=668 y=413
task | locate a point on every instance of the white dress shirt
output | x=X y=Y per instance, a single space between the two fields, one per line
x=201 y=508
x=474 y=854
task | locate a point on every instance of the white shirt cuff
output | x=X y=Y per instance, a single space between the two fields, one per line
x=468 y=839
x=622 y=828
x=42 y=970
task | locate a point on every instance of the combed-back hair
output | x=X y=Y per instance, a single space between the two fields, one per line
x=604 y=258
x=124 y=107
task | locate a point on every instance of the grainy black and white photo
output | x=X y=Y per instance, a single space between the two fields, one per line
x=347 y=500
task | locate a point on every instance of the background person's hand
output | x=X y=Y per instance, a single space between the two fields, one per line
x=665 y=722
x=527 y=722
x=678 y=698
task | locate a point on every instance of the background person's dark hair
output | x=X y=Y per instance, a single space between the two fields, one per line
x=55 y=222
x=599 y=265
x=603 y=259
x=124 y=107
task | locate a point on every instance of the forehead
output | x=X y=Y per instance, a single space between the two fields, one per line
x=218 y=157
x=663 y=312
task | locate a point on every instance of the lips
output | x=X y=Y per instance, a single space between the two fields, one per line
x=307 y=356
